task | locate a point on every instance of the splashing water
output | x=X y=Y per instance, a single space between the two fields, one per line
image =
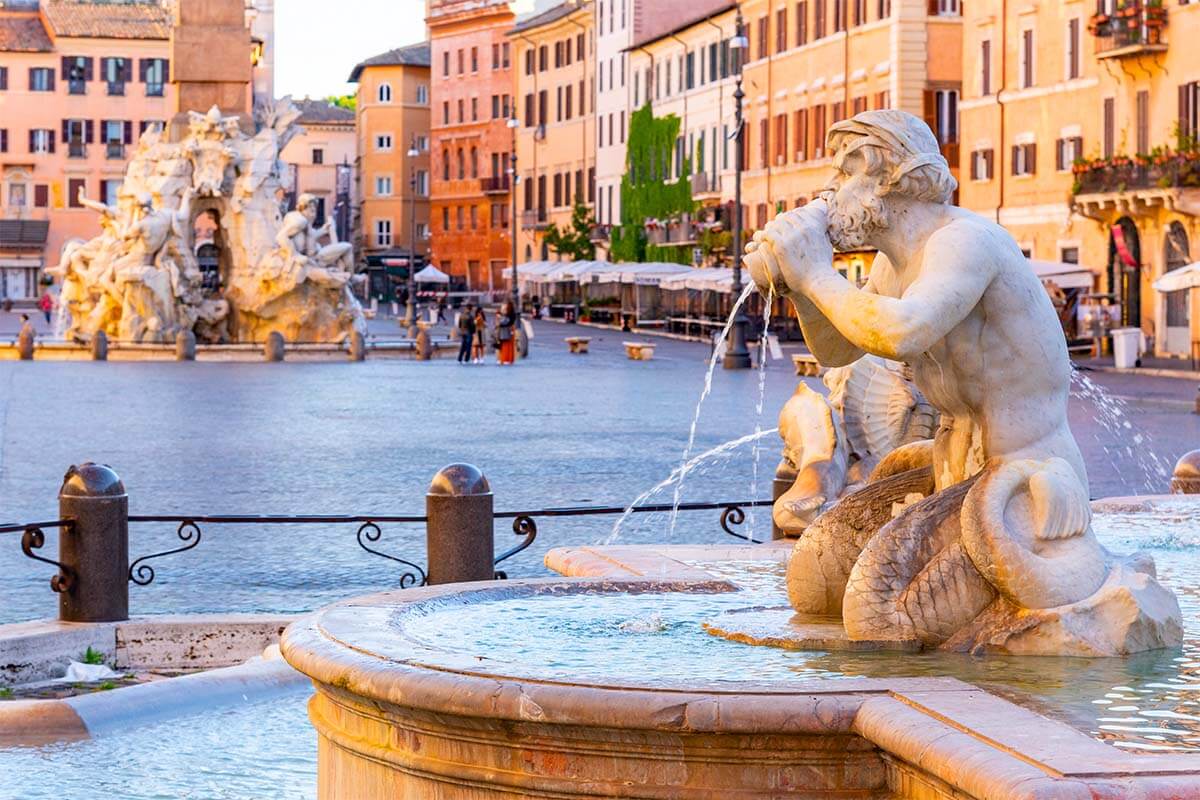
x=677 y=475
x=762 y=392
x=1113 y=415
x=708 y=379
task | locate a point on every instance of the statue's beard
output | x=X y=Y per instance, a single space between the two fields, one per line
x=851 y=224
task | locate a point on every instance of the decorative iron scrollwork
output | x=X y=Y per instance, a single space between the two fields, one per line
x=34 y=539
x=370 y=532
x=143 y=574
x=523 y=525
x=731 y=517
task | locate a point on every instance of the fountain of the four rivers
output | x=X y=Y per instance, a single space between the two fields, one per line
x=924 y=565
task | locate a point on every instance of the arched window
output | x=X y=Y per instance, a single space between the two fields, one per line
x=384 y=93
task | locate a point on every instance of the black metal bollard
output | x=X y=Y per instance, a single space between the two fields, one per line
x=185 y=346
x=100 y=346
x=458 y=534
x=96 y=546
x=273 y=347
x=358 y=346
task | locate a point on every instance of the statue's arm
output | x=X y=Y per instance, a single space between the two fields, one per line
x=824 y=340
x=901 y=328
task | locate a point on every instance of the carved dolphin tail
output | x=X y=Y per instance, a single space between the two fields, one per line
x=1027 y=527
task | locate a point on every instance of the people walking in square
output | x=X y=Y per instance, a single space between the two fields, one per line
x=46 y=304
x=480 y=346
x=466 y=333
x=506 y=334
x=441 y=307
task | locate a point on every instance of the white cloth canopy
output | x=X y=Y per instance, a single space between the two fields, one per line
x=1066 y=276
x=1179 y=279
x=431 y=274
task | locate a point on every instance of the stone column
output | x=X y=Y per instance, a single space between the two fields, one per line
x=96 y=546
x=458 y=535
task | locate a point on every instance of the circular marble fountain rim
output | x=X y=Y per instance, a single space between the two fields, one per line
x=330 y=648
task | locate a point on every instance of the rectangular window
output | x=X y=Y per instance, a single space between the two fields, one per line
x=985 y=67
x=41 y=195
x=762 y=38
x=1024 y=159
x=781 y=30
x=802 y=23
x=529 y=62
x=1189 y=114
x=3 y=140
x=1110 y=123
x=383 y=233
x=819 y=19
x=496 y=55
x=504 y=55
x=116 y=71
x=41 y=141
x=383 y=142
x=1027 y=59
x=318 y=155
x=1072 y=49
x=818 y=126
x=764 y=143
x=75 y=186
x=445 y=112
x=114 y=136
x=383 y=185
x=1066 y=151
x=422 y=183
x=860 y=12
x=947 y=115
x=981 y=165
x=859 y=105
x=77 y=71
x=474 y=59
x=422 y=94
x=461 y=116
x=800 y=135
x=3 y=79
x=883 y=100
x=1143 y=122
x=462 y=62
x=474 y=109
x=446 y=64
x=781 y=139
x=41 y=79
x=154 y=75
x=76 y=135
x=839 y=16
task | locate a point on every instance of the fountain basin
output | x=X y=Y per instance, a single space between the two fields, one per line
x=403 y=712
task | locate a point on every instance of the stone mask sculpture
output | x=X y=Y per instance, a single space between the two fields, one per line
x=999 y=555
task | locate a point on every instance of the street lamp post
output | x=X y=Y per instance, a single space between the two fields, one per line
x=410 y=308
x=512 y=231
x=737 y=354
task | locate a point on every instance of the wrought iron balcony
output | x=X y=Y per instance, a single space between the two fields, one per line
x=682 y=232
x=535 y=219
x=497 y=184
x=703 y=183
x=1135 y=28
x=1117 y=175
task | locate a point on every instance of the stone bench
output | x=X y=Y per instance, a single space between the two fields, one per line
x=807 y=364
x=639 y=351
x=577 y=344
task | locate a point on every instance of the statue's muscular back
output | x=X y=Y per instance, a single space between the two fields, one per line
x=1002 y=375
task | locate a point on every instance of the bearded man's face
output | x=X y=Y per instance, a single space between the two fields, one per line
x=856 y=205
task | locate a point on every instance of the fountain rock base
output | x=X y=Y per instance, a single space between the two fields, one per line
x=1130 y=613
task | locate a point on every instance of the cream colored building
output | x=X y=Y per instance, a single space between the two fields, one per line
x=688 y=70
x=554 y=54
x=392 y=118
x=320 y=161
x=1070 y=125
x=815 y=62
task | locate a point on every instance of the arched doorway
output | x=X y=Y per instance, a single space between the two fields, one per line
x=1176 y=254
x=1125 y=270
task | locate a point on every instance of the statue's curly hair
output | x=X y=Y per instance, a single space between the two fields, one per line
x=930 y=181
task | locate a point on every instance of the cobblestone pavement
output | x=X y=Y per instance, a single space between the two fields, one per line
x=349 y=438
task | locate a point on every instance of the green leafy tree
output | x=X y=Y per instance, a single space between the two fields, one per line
x=347 y=101
x=575 y=241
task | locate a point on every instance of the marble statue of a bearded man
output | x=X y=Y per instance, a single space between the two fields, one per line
x=298 y=237
x=1007 y=518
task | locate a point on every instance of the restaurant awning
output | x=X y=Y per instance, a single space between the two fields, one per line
x=1065 y=276
x=1179 y=279
x=431 y=274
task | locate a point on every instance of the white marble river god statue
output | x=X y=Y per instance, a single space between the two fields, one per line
x=999 y=556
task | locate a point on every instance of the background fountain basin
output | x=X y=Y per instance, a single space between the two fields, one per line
x=403 y=711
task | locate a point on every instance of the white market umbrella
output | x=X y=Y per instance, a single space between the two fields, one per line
x=431 y=274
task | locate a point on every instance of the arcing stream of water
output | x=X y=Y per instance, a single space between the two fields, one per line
x=762 y=392
x=1136 y=444
x=677 y=476
x=708 y=379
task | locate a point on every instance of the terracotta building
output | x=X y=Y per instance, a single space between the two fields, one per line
x=1079 y=134
x=470 y=139
x=320 y=161
x=392 y=120
x=79 y=82
x=815 y=62
x=554 y=52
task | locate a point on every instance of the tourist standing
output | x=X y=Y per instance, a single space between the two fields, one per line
x=441 y=307
x=46 y=304
x=466 y=332
x=480 y=333
x=537 y=308
x=506 y=334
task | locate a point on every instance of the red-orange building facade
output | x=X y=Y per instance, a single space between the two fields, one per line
x=470 y=141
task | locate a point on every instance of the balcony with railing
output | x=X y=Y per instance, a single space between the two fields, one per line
x=672 y=232
x=1164 y=178
x=496 y=184
x=1133 y=28
x=535 y=219
x=705 y=184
